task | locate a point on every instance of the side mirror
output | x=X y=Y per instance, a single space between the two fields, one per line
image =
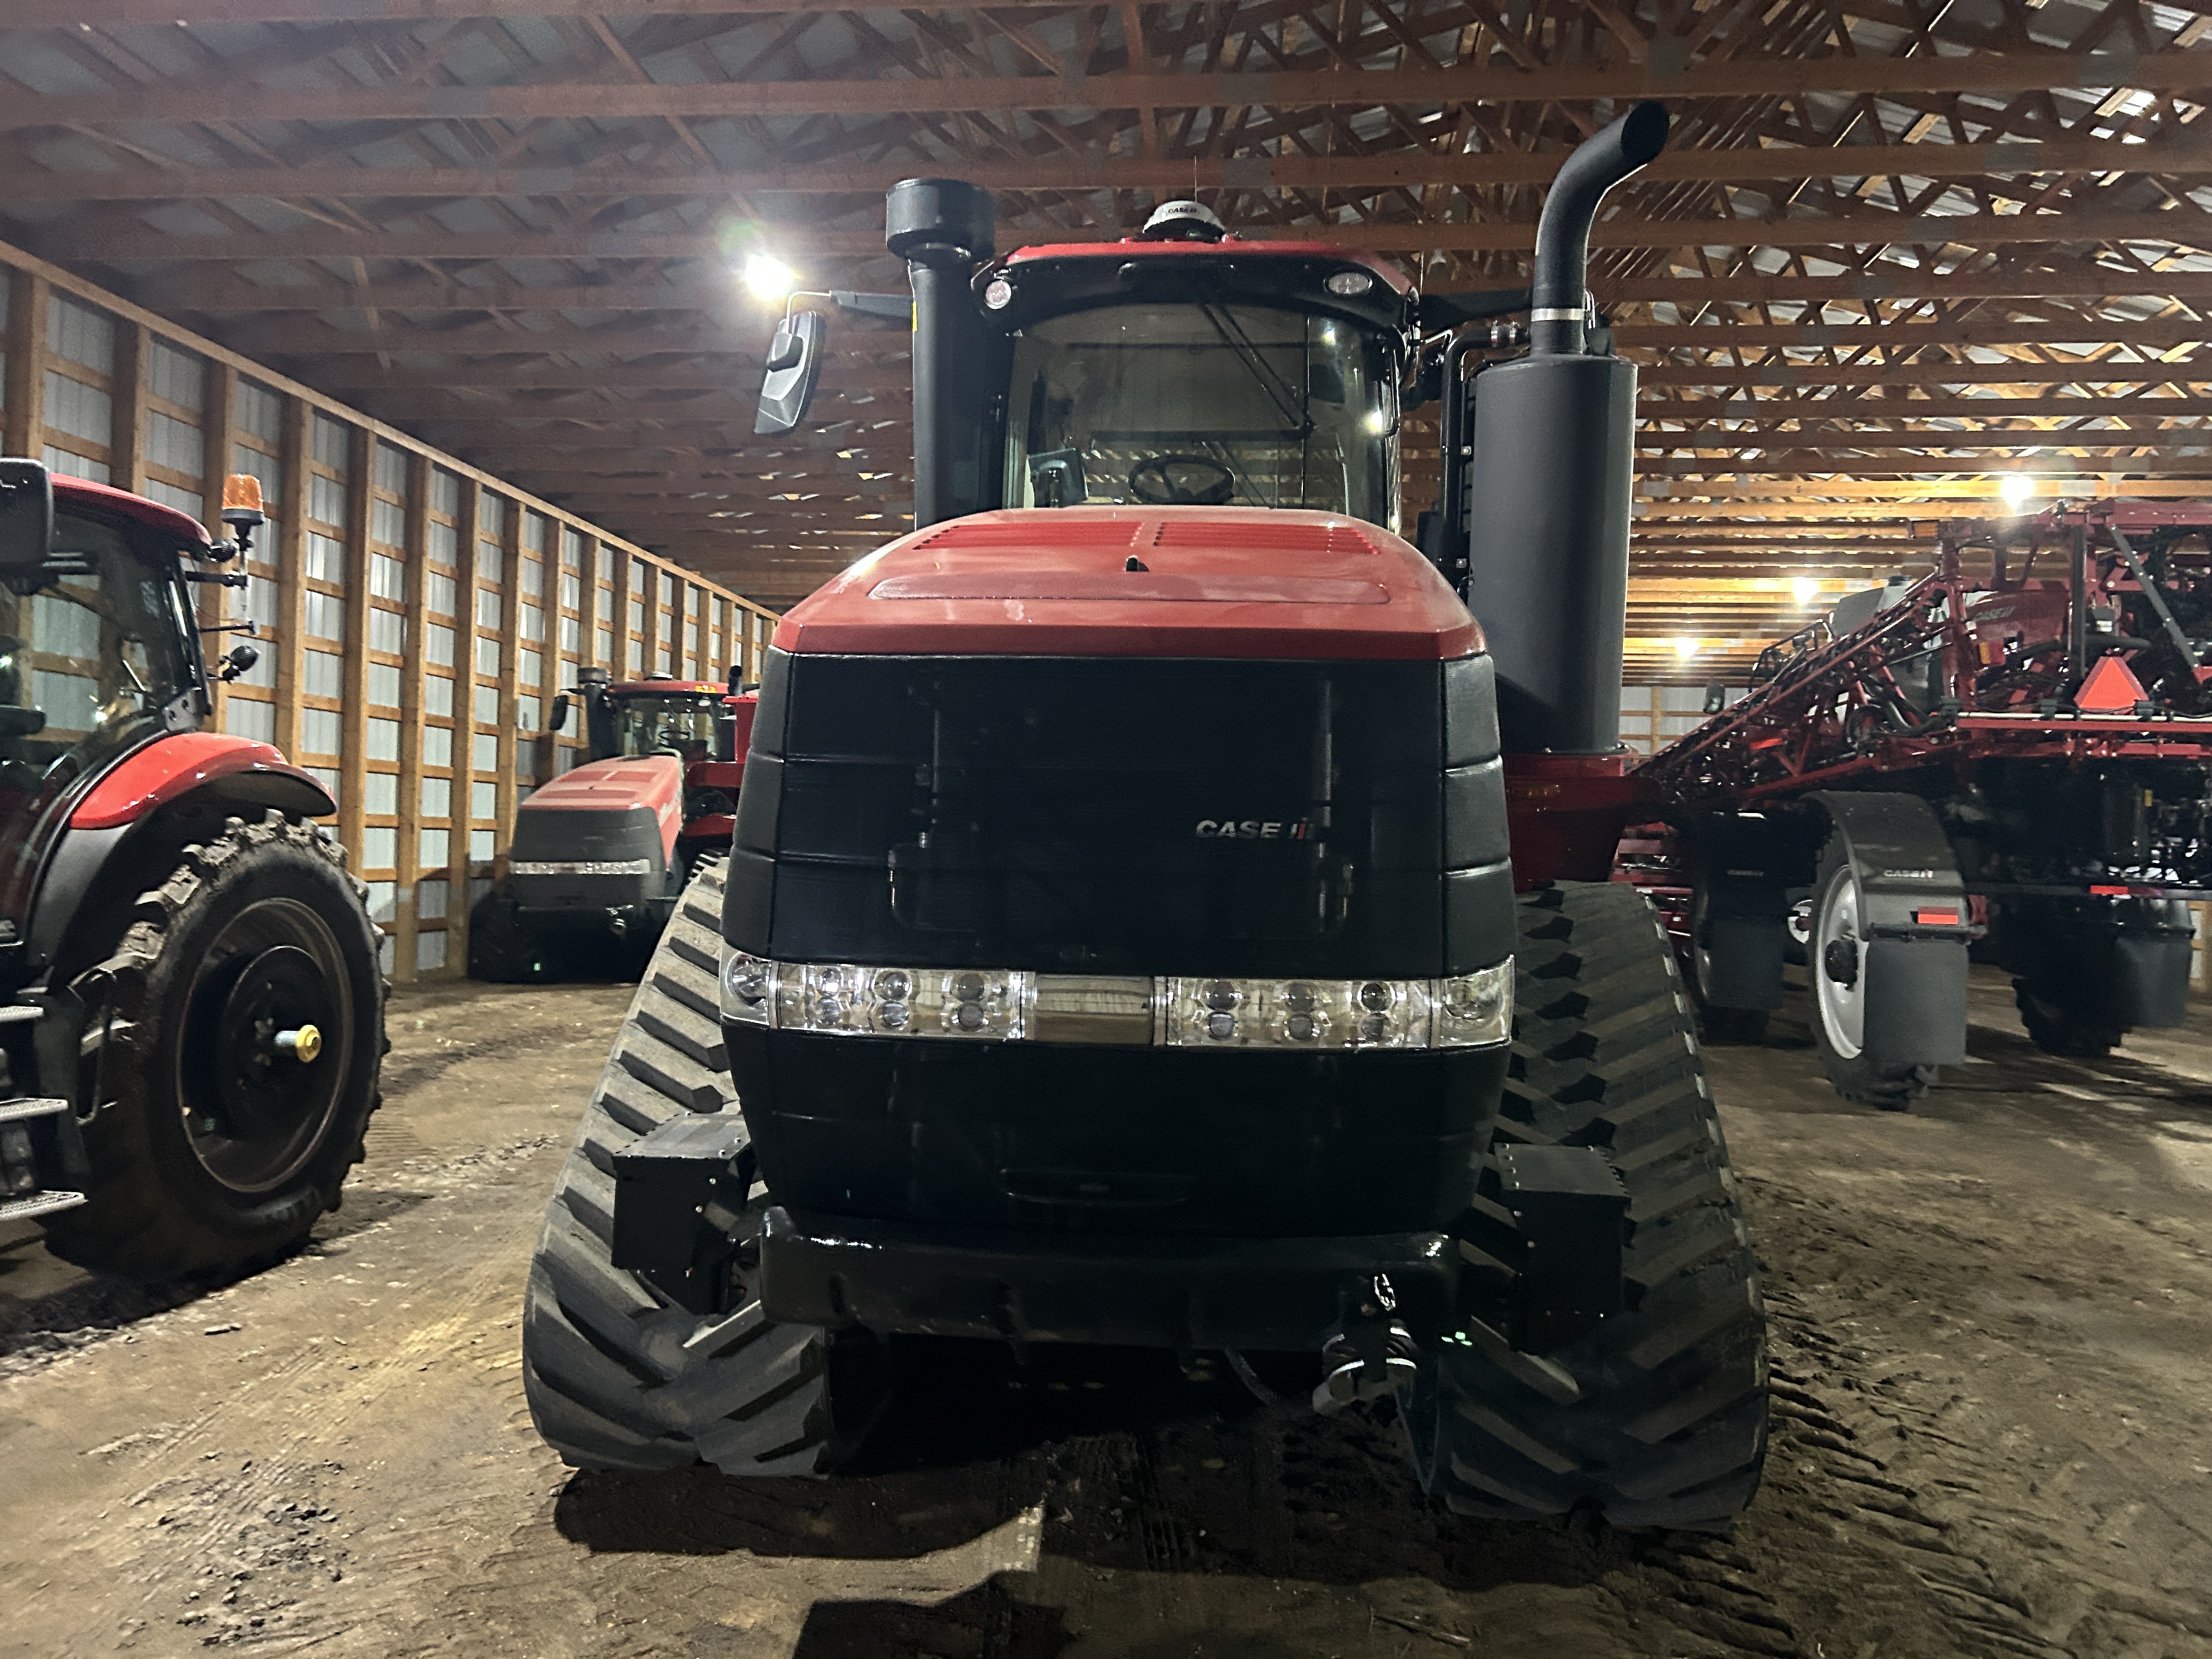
x=558 y=719
x=794 y=364
x=239 y=660
x=27 y=516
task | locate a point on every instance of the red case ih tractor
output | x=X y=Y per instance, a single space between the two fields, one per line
x=1121 y=943
x=191 y=1005
x=2011 y=758
x=600 y=853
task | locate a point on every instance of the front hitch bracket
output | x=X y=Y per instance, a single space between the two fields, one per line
x=1572 y=1211
x=680 y=1194
x=1369 y=1356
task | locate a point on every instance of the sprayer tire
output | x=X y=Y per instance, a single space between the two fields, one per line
x=187 y=1181
x=617 y=1375
x=2067 y=1020
x=1854 y=1075
x=1657 y=1417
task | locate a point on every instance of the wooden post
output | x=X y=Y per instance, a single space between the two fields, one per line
x=404 y=928
x=290 y=558
x=353 y=766
x=27 y=366
x=126 y=380
x=510 y=686
x=465 y=719
x=217 y=606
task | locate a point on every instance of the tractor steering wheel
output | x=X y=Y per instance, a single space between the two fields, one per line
x=1167 y=485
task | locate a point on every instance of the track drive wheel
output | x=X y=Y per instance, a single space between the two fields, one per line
x=1657 y=1417
x=617 y=1375
x=503 y=948
x=234 y=1041
x=1836 y=969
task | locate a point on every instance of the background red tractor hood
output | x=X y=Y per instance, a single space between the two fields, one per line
x=653 y=781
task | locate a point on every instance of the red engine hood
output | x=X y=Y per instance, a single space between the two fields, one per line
x=1216 y=581
x=653 y=781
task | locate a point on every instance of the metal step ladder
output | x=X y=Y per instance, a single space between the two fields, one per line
x=30 y=1142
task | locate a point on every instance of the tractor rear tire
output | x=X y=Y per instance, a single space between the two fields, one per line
x=1658 y=1416
x=2069 y=1019
x=618 y=1376
x=213 y=1149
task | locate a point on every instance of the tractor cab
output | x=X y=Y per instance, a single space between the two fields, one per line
x=99 y=654
x=1180 y=366
x=658 y=715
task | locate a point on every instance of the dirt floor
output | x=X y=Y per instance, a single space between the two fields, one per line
x=1993 y=1383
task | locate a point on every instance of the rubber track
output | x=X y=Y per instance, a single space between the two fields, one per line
x=617 y=1376
x=1657 y=1418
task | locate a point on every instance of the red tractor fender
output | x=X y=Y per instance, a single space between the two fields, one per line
x=229 y=768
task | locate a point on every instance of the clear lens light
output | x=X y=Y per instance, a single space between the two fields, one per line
x=1348 y=283
x=998 y=293
x=748 y=983
x=994 y=1005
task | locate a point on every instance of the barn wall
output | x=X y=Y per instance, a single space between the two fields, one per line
x=415 y=615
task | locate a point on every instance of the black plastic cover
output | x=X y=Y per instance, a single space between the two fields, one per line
x=561 y=834
x=1142 y=1140
x=1329 y=819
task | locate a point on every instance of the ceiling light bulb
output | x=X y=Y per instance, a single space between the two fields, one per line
x=1806 y=589
x=1685 y=649
x=769 y=279
x=2016 y=488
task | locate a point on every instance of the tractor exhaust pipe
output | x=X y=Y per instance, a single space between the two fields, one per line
x=1552 y=473
x=943 y=228
x=1558 y=297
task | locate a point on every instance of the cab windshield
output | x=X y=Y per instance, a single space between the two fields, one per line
x=670 y=725
x=92 y=650
x=1209 y=404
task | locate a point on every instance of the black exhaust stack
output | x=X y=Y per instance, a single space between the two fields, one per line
x=943 y=228
x=1554 y=453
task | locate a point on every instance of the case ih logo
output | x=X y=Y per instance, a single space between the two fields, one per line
x=1253 y=828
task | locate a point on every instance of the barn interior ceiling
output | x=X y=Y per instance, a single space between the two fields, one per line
x=1904 y=258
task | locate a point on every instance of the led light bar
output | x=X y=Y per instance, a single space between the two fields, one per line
x=991 y=1005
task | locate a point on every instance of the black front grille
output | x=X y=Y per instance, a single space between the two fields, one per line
x=1143 y=1141
x=1124 y=815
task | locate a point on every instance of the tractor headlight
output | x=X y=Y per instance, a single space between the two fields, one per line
x=1011 y=1004
x=1475 y=1010
x=748 y=983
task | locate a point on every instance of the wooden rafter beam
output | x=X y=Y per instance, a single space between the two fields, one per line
x=2188 y=155
x=213 y=294
x=744 y=344
x=795 y=239
x=1742 y=77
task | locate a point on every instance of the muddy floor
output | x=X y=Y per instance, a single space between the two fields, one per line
x=1992 y=1388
